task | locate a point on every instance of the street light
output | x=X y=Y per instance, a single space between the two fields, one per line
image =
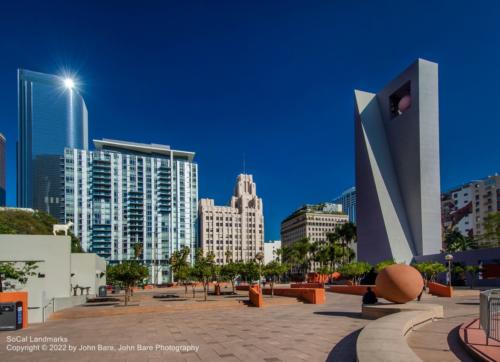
x=259 y=257
x=449 y=259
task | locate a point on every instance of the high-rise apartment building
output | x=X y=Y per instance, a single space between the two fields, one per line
x=348 y=201
x=313 y=222
x=2 y=170
x=466 y=207
x=52 y=116
x=126 y=193
x=234 y=232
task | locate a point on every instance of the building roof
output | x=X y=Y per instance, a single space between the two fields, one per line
x=316 y=209
x=151 y=148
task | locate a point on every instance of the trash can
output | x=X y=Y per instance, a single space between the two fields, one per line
x=103 y=291
x=11 y=316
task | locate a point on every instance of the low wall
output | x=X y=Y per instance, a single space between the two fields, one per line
x=242 y=287
x=385 y=338
x=255 y=296
x=307 y=285
x=440 y=290
x=310 y=295
x=353 y=289
x=10 y=297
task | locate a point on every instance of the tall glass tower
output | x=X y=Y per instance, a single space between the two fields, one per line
x=52 y=116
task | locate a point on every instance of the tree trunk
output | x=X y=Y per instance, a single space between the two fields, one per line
x=126 y=296
x=185 y=289
x=193 y=286
x=272 y=288
x=205 y=289
x=232 y=284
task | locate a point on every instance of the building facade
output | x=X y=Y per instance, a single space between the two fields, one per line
x=397 y=167
x=52 y=116
x=3 y=192
x=126 y=193
x=234 y=232
x=466 y=207
x=270 y=250
x=348 y=201
x=313 y=222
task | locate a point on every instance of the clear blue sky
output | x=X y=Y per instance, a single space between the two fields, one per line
x=271 y=80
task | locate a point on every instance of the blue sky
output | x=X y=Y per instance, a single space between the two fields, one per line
x=268 y=81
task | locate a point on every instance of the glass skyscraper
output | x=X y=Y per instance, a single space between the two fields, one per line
x=52 y=116
x=348 y=202
x=126 y=193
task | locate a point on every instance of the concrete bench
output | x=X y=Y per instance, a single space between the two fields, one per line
x=384 y=339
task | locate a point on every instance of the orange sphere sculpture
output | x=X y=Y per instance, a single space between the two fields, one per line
x=399 y=283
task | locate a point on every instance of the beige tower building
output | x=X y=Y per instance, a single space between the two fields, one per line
x=313 y=222
x=236 y=231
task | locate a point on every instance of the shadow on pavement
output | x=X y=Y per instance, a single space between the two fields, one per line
x=345 y=350
x=456 y=347
x=354 y=315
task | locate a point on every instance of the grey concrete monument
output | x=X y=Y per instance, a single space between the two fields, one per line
x=397 y=167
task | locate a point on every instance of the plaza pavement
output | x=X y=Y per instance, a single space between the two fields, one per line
x=227 y=331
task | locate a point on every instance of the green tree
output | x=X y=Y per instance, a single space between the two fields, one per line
x=127 y=274
x=492 y=229
x=180 y=267
x=384 y=264
x=11 y=272
x=355 y=270
x=230 y=271
x=32 y=223
x=455 y=241
x=345 y=234
x=274 y=270
x=429 y=270
x=249 y=271
x=203 y=269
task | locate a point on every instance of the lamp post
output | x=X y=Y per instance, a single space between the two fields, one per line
x=449 y=259
x=260 y=257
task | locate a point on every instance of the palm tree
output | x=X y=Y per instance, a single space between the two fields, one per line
x=345 y=234
x=455 y=241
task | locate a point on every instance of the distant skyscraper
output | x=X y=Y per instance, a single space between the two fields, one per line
x=2 y=170
x=234 y=232
x=397 y=167
x=127 y=193
x=348 y=201
x=52 y=116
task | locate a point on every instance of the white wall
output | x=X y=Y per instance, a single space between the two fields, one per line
x=270 y=250
x=53 y=273
x=86 y=269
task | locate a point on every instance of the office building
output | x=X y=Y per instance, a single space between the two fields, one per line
x=234 y=232
x=465 y=208
x=270 y=250
x=126 y=193
x=313 y=222
x=52 y=116
x=348 y=201
x=3 y=192
x=397 y=167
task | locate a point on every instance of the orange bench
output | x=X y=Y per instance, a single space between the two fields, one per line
x=310 y=295
x=352 y=289
x=440 y=290
x=307 y=285
x=255 y=296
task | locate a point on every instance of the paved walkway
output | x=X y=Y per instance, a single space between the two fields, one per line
x=279 y=332
x=296 y=332
x=438 y=341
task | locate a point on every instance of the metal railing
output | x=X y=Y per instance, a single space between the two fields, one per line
x=489 y=313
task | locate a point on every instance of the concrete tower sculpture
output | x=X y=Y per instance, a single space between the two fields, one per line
x=397 y=167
